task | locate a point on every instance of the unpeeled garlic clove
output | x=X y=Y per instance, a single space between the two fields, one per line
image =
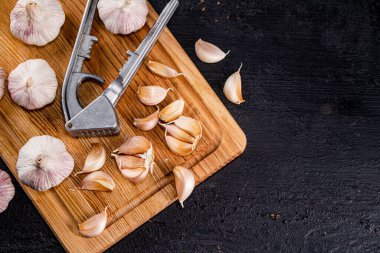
x=98 y=181
x=178 y=133
x=208 y=52
x=189 y=125
x=172 y=111
x=7 y=190
x=134 y=145
x=184 y=183
x=148 y=123
x=162 y=70
x=3 y=77
x=152 y=95
x=94 y=226
x=232 y=88
x=179 y=147
x=95 y=159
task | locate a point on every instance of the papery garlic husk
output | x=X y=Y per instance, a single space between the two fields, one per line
x=173 y=111
x=123 y=16
x=232 y=88
x=208 y=52
x=43 y=163
x=7 y=190
x=95 y=159
x=163 y=70
x=3 y=77
x=148 y=123
x=184 y=183
x=33 y=84
x=94 y=226
x=98 y=181
x=37 y=22
x=152 y=95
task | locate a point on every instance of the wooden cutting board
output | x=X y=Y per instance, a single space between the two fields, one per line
x=130 y=205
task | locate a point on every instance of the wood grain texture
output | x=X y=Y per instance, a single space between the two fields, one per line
x=130 y=204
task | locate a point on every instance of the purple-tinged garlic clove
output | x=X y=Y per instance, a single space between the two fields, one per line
x=7 y=190
x=3 y=77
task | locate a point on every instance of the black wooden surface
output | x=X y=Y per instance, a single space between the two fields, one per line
x=310 y=178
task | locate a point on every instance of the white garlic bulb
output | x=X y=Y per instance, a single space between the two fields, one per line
x=123 y=16
x=33 y=84
x=37 y=22
x=7 y=190
x=43 y=163
x=3 y=77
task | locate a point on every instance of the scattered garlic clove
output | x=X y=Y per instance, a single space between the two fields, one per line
x=33 y=84
x=148 y=123
x=162 y=70
x=232 y=88
x=37 y=22
x=179 y=147
x=95 y=159
x=208 y=52
x=94 y=226
x=184 y=183
x=123 y=16
x=172 y=111
x=43 y=163
x=98 y=181
x=134 y=145
x=3 y=77
x=190 y=126
x=178 y=133
x=151 y=95
x=7 y=190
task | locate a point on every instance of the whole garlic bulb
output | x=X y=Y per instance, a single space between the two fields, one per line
x=7 y=190
x=43 y=163
x=33 y=84
x=3 y=76
x=123 y=16
x=37 y=22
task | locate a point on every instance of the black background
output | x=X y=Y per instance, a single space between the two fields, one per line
x=309 y=179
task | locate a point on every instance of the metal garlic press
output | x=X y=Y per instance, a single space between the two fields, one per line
x=99 y=118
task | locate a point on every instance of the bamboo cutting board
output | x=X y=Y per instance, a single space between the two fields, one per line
x=130 y=205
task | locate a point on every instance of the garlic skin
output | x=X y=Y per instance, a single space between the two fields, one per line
x=123 y=16
x=37 y=22
x=172 y=111
x=162 y=70
x=98 y=181
x=148 y=123
x=43 y=163
x=209 y=53
x=3 y=77
x=184 y=183
x=95 y=159
x=94 y=226
x=7 y=190
x=33 y=84
x=232 y=88
x=151 y=95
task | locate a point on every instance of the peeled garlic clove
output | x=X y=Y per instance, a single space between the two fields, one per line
x=232 y=88
x=37 y=22
x=98 y=181
x=3 y=77
x=43 y=163
x=208 y=52
x=172 y=111
x=151 y=95
x=162 y=70
x=190 y=126
x=123 y=16
x=184 y=183
x=7 y=190
x=33 y=84
x=95 y=159
x=148 y=123
x=134 y=145
x=179 y=134
x=179 y=147
x=94 y=226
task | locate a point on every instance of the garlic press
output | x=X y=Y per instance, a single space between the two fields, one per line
x=100 y=118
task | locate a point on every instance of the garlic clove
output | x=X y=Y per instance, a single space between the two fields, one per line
x=208 y=52
x=134 y=145
x=190 y=126
x=123 y=16
x=37 y=22
x=184 y=183
x=162 y=70
x=95 y=159
x=94 y=226
x=179 y=134
x=151 y=95
x=148 y=123
x=98 y=181
x=3 y=77
x=33 y=84
x=129 y=162
x=172 y=111
x=232 y=88
x=7 y=190
x=135 y=175
x=43 y=163
x=179 y=147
